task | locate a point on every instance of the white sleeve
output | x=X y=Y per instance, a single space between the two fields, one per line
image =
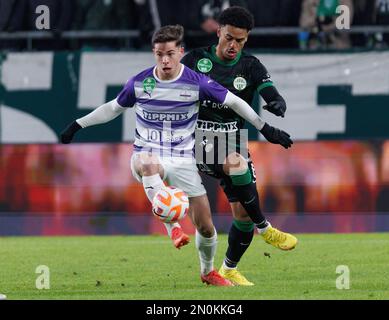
x=242 y=108
x=102 y=114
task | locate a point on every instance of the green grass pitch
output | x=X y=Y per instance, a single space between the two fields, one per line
x=148 y=267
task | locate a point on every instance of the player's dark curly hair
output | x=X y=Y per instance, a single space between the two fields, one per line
x=167 y=34
x=238 y=17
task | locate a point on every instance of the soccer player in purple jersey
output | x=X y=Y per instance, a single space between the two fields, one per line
x=166 y=99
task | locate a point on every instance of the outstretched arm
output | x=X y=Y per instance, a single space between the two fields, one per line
x=275 y=102
x=243 y=109
x=102 y=114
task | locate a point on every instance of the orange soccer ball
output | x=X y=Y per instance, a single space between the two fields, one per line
x=170 y=204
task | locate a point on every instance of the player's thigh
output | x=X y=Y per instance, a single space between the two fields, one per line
x=142 y=163
x=185 y=176
x=217 y=171
x=212 y=170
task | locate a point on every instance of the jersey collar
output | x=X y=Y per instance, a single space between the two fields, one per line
x=222 y=62
x=171 y=80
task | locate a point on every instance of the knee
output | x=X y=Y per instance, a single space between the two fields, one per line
x=205 y=227
x=207 y=231
x=239 y=213
x=242 y=216
x=234 y=163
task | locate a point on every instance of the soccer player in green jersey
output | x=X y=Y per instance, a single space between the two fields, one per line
x=245 y=76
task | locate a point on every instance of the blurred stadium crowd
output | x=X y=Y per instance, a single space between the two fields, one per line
x=315 y=17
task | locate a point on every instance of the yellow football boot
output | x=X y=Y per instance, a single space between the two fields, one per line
x=279 y=239
x=234 y=276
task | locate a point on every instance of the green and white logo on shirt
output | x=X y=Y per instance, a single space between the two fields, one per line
x=240 y=83
x=149 y=85
x=204 y=65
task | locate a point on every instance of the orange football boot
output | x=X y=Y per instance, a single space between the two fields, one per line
x=179 y=238
x=215 y=279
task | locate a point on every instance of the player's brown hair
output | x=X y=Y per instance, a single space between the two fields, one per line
x=168 y=34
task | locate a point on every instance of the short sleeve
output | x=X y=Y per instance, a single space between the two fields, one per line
x=211 y=90
x=261 y=76
x=126 y=97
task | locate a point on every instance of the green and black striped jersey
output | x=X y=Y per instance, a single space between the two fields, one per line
x=244 y=76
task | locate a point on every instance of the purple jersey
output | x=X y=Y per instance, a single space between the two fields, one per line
x=167 y=111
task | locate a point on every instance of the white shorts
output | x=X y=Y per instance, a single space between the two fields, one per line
x=178 y=172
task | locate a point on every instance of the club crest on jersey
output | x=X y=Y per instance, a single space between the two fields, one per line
x=240 y=83
x=149 y=85
x=204 y=65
